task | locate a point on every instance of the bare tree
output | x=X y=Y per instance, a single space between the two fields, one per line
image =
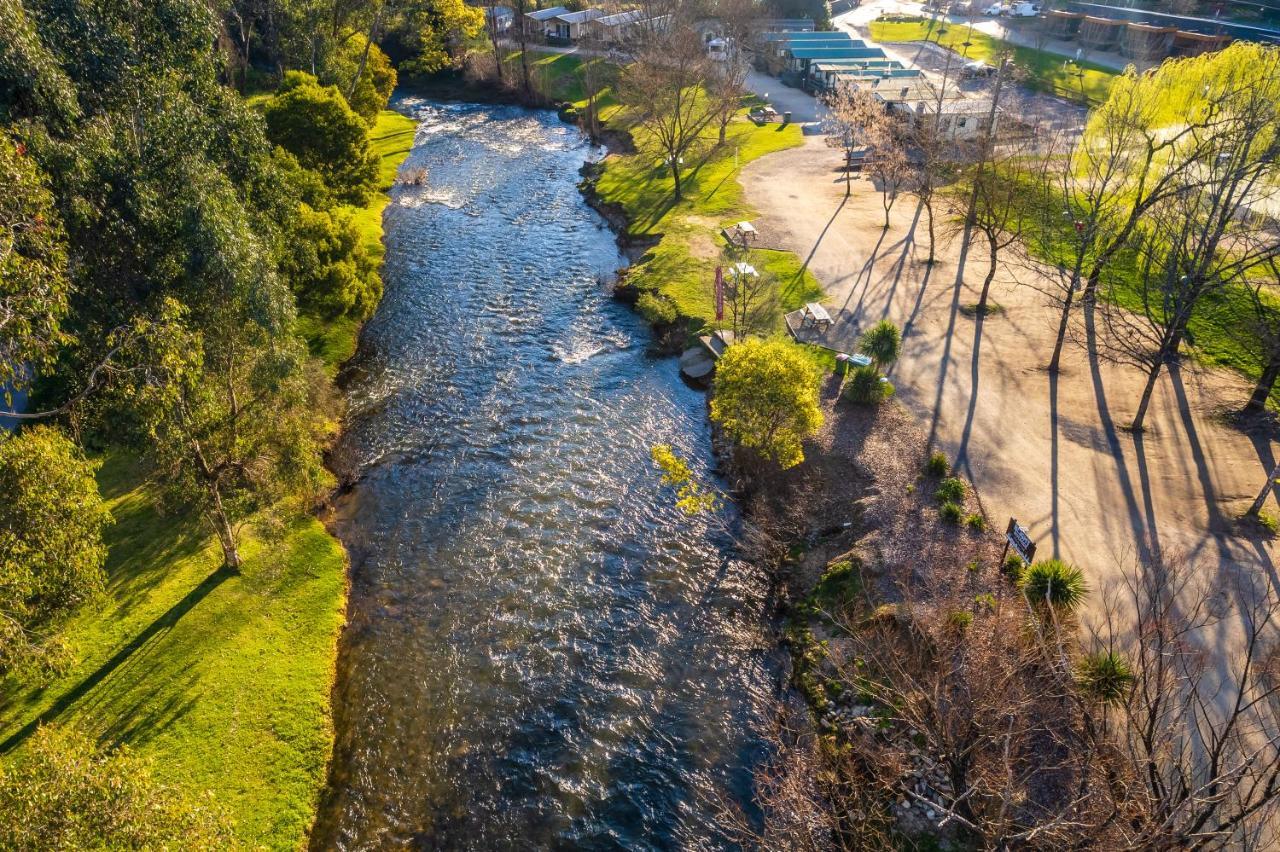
x=752 y=299
x=888 y=164
x=664 y=86
x=728 y=82
x=1193 y=757
x=852 y=119
x=1265 y=325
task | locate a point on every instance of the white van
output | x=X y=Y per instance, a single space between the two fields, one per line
x=1023 y=10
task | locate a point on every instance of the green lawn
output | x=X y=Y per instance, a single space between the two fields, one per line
x=223 y=681
x=682 y=264
x=1043 y=71
x=334 y=341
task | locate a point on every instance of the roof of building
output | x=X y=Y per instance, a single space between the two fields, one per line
x=580 y=17
x=812 y=38
x=546 y=14
x=630 y=17
x=825 y=52
x=876 y=65
x=793 y=24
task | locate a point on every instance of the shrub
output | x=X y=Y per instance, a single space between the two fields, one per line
x=959 y=620
x=1105 y=676
x=976 y=522
x=951 y=490
x=331 y=270
x=765 y=397
x=1055 y=582
x=866 y=387
x=1013 y=566
x=937 y=465
x=881 y=343
x=63 y=792
x=951 y=512
x=656 y=308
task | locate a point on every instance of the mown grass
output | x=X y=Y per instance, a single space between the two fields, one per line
x=1037 y=69
x=391 y=137
x=222 y=680
x=681 y=265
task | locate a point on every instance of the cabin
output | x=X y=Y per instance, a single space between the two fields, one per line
x=539 y=24
x=823 y=76
x=962 y=119
x=569 y=27
x=801 y=58
x=615 y=29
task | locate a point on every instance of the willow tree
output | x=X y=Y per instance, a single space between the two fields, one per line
x=1201 y=238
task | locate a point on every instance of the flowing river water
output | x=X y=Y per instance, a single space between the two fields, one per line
x=542 y=652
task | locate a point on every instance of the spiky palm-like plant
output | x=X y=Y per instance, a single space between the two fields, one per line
x=1056 y=583
x=881 y=343
x=1105 y=676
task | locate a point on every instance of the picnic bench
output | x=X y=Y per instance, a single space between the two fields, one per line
x=816 y=314
x=763 y=114
x=746 y=231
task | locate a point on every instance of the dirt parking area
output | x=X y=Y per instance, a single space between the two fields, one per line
x=1050 y=451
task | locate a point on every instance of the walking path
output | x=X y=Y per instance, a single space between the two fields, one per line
x=1052 y=452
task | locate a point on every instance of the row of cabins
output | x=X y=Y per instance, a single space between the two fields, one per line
x=559 y=25
x=1133 y=39
x=821 y=62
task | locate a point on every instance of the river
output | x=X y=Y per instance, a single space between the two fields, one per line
x=541 y=651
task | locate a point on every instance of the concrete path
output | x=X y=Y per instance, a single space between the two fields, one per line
x=1052 y=452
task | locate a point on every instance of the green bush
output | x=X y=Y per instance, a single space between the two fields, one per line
x=867 y=387
x=951 y=512
x=976 y=522
x=937 y=465
x=959 y=620
x=1055 y=582
x=656 y=308
x=1013 y=566
x=330 y=268
x=63 y=792
x=951 y=490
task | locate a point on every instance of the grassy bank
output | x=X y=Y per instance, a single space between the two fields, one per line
x=334 y=341
x=1041 y=70
x=687 y=234
x=222 y=680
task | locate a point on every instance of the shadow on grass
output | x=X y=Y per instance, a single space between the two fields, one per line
x=152 y=633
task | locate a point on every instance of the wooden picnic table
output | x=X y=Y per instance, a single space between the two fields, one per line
x=815 y=313
x=746 y=231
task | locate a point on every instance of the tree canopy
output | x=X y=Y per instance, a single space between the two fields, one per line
x=315 y=124
x=765 y=396
x=51 y=551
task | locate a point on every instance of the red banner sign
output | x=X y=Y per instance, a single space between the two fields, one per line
x=719 y=294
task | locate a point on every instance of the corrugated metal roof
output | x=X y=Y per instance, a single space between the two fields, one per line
x=580 y=17
x=834 y=52
x=621 y=18
x=546 y=14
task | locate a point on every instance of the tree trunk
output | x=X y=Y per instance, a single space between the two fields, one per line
x=364 y=56
x=1056 y=361
x=1139 y=419
x=724 y=127
x=226 y=536
x=1256 y=508
x=928 y=208
x=848 y=173
x=1262 y=390
x=493 y=38
x=675 y=176
x=991 y=274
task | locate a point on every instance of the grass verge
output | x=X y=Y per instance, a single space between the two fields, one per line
x=222 y=680
x=1044 y=71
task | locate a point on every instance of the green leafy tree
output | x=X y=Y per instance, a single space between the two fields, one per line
x=766 y=398
x=328 y=265
x=441 y=27
x=51 y=551
x=881 y=343
x=315 y=124
x=231 y=412
x=63 y=793
x=363 y=73
x=33 y=267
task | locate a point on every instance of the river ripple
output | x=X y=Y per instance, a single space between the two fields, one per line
x=542 y=652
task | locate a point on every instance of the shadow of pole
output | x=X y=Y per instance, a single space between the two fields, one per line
x=965 y=242
x=152 y=631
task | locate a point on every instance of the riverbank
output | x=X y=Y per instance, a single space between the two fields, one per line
x=224 y=682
